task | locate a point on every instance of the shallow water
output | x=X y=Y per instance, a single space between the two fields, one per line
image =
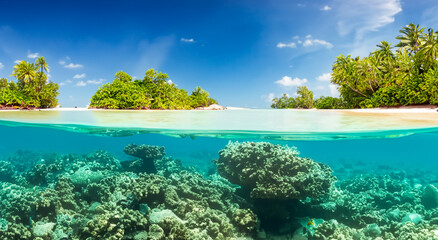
x=61 y=176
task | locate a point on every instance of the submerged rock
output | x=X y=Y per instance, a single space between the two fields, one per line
x=84 y=176
x=412 y=217
x=157 y=215
x=42 y=229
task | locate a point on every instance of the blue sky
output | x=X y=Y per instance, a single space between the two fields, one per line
x=242 y=52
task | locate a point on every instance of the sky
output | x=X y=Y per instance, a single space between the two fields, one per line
x=243 y=52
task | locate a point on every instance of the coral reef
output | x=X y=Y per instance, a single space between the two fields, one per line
x=273 y=171
x=281 y=196
x=94 y=197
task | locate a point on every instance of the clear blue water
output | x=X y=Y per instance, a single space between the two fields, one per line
x=385 y=187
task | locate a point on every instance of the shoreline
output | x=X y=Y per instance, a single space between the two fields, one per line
x=404 y=109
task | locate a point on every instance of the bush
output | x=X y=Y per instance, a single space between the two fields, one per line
x=329 y=103
x=153 y=92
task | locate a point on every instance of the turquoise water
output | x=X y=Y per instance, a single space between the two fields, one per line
x=70 y=175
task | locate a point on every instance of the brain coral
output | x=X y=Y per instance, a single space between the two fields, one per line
x=272 y=171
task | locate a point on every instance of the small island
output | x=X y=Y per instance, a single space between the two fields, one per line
x=386 y=78
x=32 y=89
x=154 y=91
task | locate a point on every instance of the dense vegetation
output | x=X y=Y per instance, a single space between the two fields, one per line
x=153 y=92
x=406 y=76
x=32 y=89
x=305 y=100
x=386 y=78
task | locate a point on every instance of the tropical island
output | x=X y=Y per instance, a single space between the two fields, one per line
x=32 y=89
x=386 y=78
x=154 y=91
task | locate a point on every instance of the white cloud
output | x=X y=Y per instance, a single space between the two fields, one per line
x=326 y=8
x=33 y=55
x=309 y=42
x=100 y=81
x=317 y=42
x=73 y=65
x=17 y=61
x=81 y=84
x=62 y=62
x=287 y=81
x=334 y=90
x=361 y=16
x=324 y=77
x=288 y=45
x=268 y=98
x=1 y=65
x=65 y=82
x=188 y=40
x=79 y=76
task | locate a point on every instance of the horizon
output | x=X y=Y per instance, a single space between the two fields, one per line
x=243 y=53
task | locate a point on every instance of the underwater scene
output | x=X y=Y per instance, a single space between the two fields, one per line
x=268 y=175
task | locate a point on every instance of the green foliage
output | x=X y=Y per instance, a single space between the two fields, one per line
x=32 y=88
x=303 y=100
x=407 y=76
x=284 y=102
x=153 y=92
x=329 y=103
x=305 y=97
x=201 y=98
x=122 y=93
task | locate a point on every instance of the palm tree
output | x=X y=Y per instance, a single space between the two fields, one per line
x=24 y=71
x=42 y=65
x=411 y=38
x=429 y=50
x=385 y=49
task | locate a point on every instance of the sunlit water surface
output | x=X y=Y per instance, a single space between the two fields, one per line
x=349 y=142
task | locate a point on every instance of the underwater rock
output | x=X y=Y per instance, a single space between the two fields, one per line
x=84 y=176
x=412 y=217
x=273 y=171
x=429 y=198
x=146 y=154
x=157 y=215
x=42 y=229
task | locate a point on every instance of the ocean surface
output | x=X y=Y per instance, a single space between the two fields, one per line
x=241 y=174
